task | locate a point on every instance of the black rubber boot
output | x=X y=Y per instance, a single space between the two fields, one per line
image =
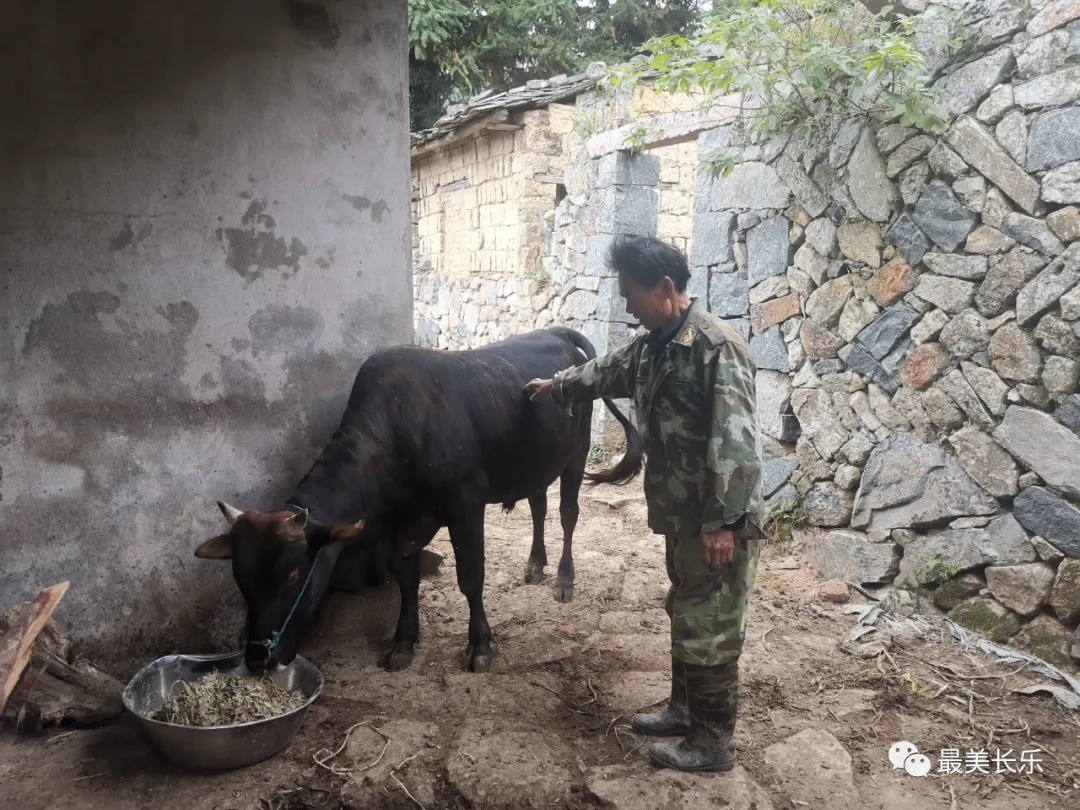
x=709 y=744
x=675 y=719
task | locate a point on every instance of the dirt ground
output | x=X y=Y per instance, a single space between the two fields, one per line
x=548 y=726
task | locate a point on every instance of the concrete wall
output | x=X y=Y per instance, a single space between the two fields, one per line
x=204 y=230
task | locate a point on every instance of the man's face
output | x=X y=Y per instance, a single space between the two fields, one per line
x=652 y=307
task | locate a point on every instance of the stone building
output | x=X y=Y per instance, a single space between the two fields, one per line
x=912 y=302
x=203 y=232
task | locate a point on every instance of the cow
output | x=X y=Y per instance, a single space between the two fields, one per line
x=429 y=438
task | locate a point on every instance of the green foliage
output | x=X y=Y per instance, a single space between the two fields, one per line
x=782 y=518
x=458 y=48
x=799 y=64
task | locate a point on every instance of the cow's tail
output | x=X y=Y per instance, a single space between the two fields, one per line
x=629 y=465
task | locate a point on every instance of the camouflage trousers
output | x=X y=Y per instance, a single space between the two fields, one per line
x=708 y=606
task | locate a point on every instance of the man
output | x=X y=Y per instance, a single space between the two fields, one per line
x=692 y=381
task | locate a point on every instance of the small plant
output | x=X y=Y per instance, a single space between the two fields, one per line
x=585 y=124
x=782 y=518
x=542 y=278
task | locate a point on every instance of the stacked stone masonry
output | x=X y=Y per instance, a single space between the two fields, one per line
x=912 y=303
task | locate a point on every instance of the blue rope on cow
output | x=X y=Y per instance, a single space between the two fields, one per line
x=275 y=636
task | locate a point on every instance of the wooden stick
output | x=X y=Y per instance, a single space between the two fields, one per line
x=17 y=645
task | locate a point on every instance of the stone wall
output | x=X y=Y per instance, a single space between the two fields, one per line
x=913 y=306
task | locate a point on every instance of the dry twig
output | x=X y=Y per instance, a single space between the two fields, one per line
x=411 y=797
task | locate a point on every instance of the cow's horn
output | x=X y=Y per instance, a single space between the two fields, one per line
x=232 y=514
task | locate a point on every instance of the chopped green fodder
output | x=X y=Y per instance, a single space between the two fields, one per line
x=223 y=699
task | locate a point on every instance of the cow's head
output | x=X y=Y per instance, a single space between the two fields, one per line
x=280 y=572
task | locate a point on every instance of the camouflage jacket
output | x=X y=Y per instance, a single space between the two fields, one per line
x=695 y=405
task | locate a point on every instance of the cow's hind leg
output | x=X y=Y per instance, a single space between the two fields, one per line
x=467 y=537
x=534 y=574
x=569 y=487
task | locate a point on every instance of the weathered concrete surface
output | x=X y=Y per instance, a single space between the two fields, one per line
x=204 y=225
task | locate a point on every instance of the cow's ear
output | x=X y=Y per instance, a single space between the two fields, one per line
x=346 y=532
x=216 y=548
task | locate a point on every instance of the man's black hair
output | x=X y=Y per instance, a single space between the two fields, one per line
x=646 y=261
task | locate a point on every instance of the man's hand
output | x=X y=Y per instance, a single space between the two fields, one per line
x=717 y=548
x=538 y=389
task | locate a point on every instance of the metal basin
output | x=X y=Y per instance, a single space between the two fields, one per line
x=216 y=748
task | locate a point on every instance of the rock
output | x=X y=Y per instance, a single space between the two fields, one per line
x=786 y=496
x=945 y=163
x=925 y=365
x=929 y=327
x=908 y=239
x=988 y=385
x=849 y=556
x=750 y=186
x=871 y=190
x=1043 y=513
x=988 y=618
x=768 y=249
x=891 y=282
x=1044 y=445
x=774 y=474
x=972 y=268
x=941 y=409
x=942 y=217
x=857 y=315
x=1062 y=185
x=486 y=767
x=908 y=153
x=1013 y=354
x=1046 y=638
x=1068 y=413
x=986 y=462
x=729 y=295
x=857 y=450
x=847 y=476
x=1070 y=306
x=950 y=294
x=887 y=330
x=1047 y=288
x=769 y=351
x=861 y=241
x=713 y=239
x=1065 y=222
x=913 y=182
x=999 y=102
x=911 y=484
x=980 y=150
x=819 y=422
x=808 y=260
x=806 y=191
x=952 y=592
x=1052 y=90
x=883 y=408
x=821 y=236
x=960 y=391
x=1060 y=376
x=970 y=84
x=621 y=787
x=1052 y=15
x=892 y=136
x=1032 y=394
x=1033 y=233
x=966 y=334
x=909 y=403
x=814 y=770
x=988 y=241
x=817 y=342
x=1055 y=335
x=1012 y=133
x=767 y=315
x=834 y=591
x=773 y=389
x=828 y=505
x=1065 y=595
x=860 y=404
x=1023 y=589
x=862 y=362
x=1047 y=553
x=994 y=209
x=827 y=301
x=1004 y=279
x=1054 y=139
x=1041 y=55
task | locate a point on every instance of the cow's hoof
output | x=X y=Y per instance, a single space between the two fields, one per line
x=564 y=593
x=534 y=574
x=398 y=660
x=480 y=662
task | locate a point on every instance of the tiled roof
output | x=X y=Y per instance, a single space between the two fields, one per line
x=531 y=96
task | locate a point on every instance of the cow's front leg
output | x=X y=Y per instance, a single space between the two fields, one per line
x=534 y=572
x=467 y=537
x=408 y=628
